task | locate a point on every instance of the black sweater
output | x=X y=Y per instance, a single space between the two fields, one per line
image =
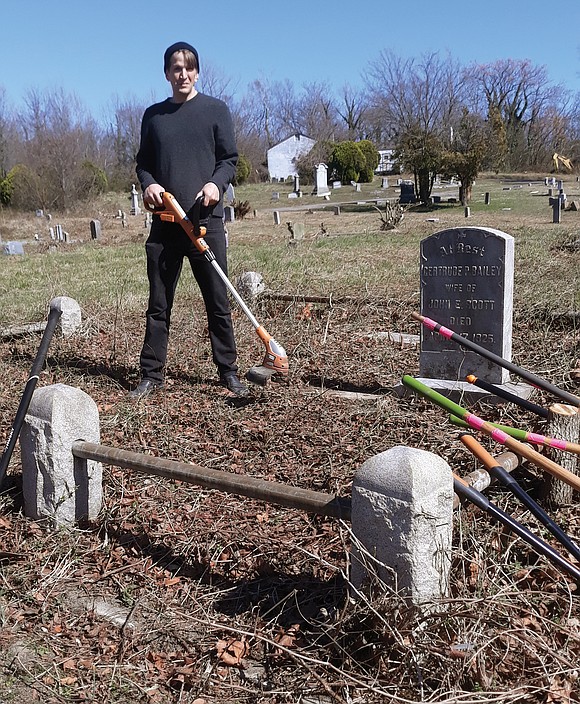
x=185 y=145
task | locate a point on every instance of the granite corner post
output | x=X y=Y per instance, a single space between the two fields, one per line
x=70 y=314
x=402 y=518
x=59 y=488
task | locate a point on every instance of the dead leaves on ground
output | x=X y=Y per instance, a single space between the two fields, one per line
x=231 y=651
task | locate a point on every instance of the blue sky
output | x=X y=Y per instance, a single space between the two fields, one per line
x=102 y=49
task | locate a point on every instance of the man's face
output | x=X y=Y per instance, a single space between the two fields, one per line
x=182 y=79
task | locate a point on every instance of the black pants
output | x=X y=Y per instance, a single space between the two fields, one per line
x=166 y=248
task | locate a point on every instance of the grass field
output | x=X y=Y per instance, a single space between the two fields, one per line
x=194 y=571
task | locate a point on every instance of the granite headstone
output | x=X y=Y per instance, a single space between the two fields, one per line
x=467 y=285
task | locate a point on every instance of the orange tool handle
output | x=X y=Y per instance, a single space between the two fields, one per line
x=171 y=211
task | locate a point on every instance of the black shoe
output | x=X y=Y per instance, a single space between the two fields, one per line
x=146 y=387
x=233 y=384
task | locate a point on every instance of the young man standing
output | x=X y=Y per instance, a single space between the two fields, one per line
x=187 y=148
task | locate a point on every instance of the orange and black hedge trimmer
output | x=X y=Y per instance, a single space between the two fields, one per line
x=275 y=361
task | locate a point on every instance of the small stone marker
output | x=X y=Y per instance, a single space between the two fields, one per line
x=321 y=180
x=95 y=229
x=229 y=194
x=250 y=285
x=407 y=193
x=402 y=514
x=70 y=314
x=54 y=489
x=296 y=230
x=13 y=248
x=384 y=182
x=276 y=217
x=229 y=213
x=135 y=209
x=467 y=277
x=487 y=199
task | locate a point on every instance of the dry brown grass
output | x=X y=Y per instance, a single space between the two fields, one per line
x=180 y=594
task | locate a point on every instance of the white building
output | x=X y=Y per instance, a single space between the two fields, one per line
x=282 y=156
x=386 y=161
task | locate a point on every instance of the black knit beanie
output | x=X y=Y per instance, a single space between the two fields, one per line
x=178 y=46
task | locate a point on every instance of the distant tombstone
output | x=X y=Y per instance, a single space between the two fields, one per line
x=40 y=213
x=135 y=209
x=275 y=195
x=296 y=231
x=563 y=198
x=13 y=248
x=58 y=234
x=487 y=199
x=407 y=193
x=384 y=182
x=336 y=210
x=467 y=279
x=229 y=194
x=321 y=180
x=336 y=184
x=95 y=229
x=296 y=184
x=276 y=217
x=293 y=195
x=357 y=187
x=229 y=213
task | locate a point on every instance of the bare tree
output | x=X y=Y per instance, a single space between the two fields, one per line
x=8 y=134
x=123 y=137
x=58 y=151
x=316 y=115
x=467 y=152
x=352 y=109
x=520 y=93
x=419 y=100
x=213 y=81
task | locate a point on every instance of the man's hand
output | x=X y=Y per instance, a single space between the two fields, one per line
x=152 y=195
x=210 y=193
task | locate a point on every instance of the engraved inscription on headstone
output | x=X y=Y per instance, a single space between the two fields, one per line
x=467 y=285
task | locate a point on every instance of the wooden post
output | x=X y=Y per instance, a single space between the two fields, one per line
x=563 y=422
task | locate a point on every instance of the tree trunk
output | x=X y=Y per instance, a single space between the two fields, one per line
x=424 y=186
x=465 y=191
